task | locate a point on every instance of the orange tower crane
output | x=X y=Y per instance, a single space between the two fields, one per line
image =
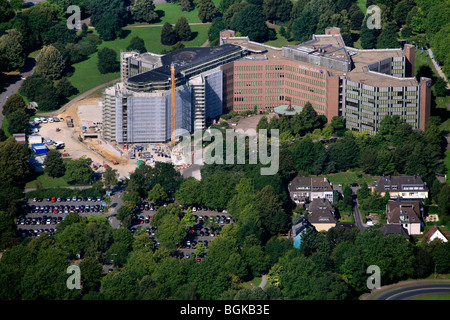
x=172 y=107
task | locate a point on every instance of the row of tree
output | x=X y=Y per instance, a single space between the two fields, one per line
x=328 y=266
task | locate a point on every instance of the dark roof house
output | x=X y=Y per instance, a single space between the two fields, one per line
x=321 y=214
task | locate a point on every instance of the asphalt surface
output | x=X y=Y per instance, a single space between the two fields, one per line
x=412 y=291
x=205 y=228
x=195 y=235
x=15 y=81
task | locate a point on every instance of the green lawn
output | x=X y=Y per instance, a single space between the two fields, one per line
x=350 y=177
x=442 y=103
x=434 y=297
x=86 y=75
x=362 y=5
x=170 y=12
x=47 y=182
x=447 y=164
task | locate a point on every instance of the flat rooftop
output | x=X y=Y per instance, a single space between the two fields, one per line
x=184 y=59
x=332 y=46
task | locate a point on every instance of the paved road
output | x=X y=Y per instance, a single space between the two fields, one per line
x=415 y=290
x=14 y=84
x=357 y=216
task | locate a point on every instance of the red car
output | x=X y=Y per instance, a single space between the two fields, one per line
x=53 y=199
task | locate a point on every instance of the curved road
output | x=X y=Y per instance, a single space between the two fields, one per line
x=411 y=290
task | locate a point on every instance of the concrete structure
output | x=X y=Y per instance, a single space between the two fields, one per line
x=408 y=214
x=305 y=189
x=139 y=109
x=407 y=187
x=363 y=86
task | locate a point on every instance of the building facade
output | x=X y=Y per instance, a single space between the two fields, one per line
x=407 y=187
x=408 y=214
x=138 y=109
x=305 y=189
x=362 y=86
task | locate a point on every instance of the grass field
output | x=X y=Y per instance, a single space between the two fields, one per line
x=350 y=177
x=86 y=75
x=362 y=5
x=44 y=181
x=434 y=297
x=170 y=12
x=447 y=164
x=442 y=103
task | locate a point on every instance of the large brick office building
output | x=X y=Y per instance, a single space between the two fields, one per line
x=361 y=85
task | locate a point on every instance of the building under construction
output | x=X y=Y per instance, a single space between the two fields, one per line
x=140 y=107
x=362 y=86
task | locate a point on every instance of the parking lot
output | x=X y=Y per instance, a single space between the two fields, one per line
x=207 y=227
x=42 y=215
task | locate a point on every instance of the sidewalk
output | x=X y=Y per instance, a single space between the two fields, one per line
x=438 y=68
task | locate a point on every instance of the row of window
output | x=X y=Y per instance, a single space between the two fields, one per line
x=248 y=98
x=248 y=83
x=248 y=91
x=275 y=67
x=306 y=72
x=248 y=68
x=248 y=76
x=305 y=88
x=305 y=95
x=307 y=80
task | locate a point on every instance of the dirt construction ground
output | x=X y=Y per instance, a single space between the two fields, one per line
x=88 y=148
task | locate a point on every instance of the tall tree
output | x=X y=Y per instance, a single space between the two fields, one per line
x=79 y=171
x=12 y=54
x=158 y=195
x=182 y=29
x=107 y=61
x=168 y=35
x=110 y=178
x=277 y=10
x=14 y=103
x=54 y=164
x=50 y=63
x=388 y=37
x=14 y=166
x=187 y=5
x=143 y=11
x=137 y=44
x=206 y=10
x=368 y=36
x=251 y=22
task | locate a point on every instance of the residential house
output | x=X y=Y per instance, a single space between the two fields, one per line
x=321 y=214
x=305 y=189
x=298 y=229
x=389 y=229
x=436 y=233
x=407 y=187
x=406 y=213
